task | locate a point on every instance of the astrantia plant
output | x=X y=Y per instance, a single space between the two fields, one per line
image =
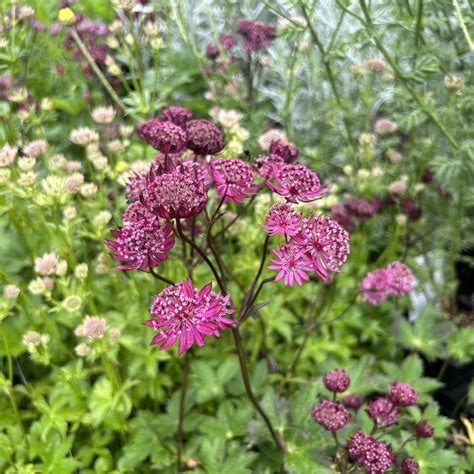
x=234 y=237
x=178 y=189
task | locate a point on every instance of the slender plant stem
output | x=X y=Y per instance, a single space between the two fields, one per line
x=182 y=409
x=11 y=397
x=250 y=293
x=237 y=217
x=202 y=254
x=248 y=388
x=460 y=18
x=401 y=76
x=310 y=320
x=442 y=370
x=9 y=355
x=237 y=339
x=330 y=74
x=419 y=23
x=459 y=405
x=160 y=277
x=97 y=70
x=252 y=301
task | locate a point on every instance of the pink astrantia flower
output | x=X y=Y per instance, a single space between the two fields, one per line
x=325 y=243
x=291 y=263
x=374 y=287
x=409 y=466
x=177 y=115
x=204 y=137
x=401 y=278
x=282 y=219
x=331 y=415
x=337 y=380
x=166 y=137
x=233 y=179
x=257 y=35
x=382 y=411
x=403 y=394
x=297 y=183
x=143 y=241
x=374 y=456
x=394 y=279
x=180 y=193
x=286 y=150
x=267 y=166
x=188 y=314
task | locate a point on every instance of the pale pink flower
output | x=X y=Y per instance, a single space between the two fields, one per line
x=46 y=265
x=267 y=138
x=35 y=148
x=7 y=155
x=103 y=114
x=385 y=126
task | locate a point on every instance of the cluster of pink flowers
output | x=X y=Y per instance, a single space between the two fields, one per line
x=313 y=244
x=143 y=241
x=394 y=279
x=175 y=187
x=233 y=179
x=182 y=312
x=373 y=455
x=257 y=35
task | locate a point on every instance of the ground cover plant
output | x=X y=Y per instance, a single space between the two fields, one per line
x=235 y=236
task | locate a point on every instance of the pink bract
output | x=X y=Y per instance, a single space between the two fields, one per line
x=182 y=312
x=143 y=241
x=297 y=183
x=282 y=219
x=233 y=179
x=292 y=264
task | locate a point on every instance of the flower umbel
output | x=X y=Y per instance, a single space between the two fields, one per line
x=181 y=193
x=282 y=219
x=292 y=264
x=325 y=243
x=188 y=314
x=332 y=416
x=143 y=241
x=297 y=183
x=233 y=178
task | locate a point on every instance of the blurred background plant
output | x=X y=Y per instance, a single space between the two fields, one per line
x=378 y=98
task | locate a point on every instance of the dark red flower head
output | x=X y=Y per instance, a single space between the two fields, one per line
x=143 y=241
x=403 y=394
x=383 y=412
x=212 y=51
x=423 y=429
x=204 y=137
x=287 y=151
x=163 y=136
x=353 y=401
x=177 y=115
x=337 y=380
x=332 y=416
x=409 y=466
x=179 y=193
x=257 y=35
